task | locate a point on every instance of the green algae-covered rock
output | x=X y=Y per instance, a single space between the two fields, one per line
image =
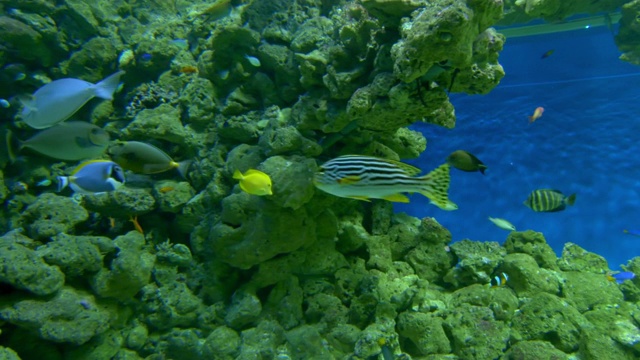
x=24 y=42
x=575 y=258
x=222 y=344
x=292 y=179
x=125 y=202
x=75 y=255
x=161 y=123
x=52 y=214
x=615 y=329
x=501 y=300
x=264 y=340
x=170 y=305
x=70 y=316
x=526 y=278
x=285 y=303
x=548 y=317
x=533 y=350
x=172 y=196
x=244 y=309
x=253 y=230
x=22 y=268
x=89 y=62
x=306 y=342
x=8 y=354
x=534 y=244
x=199 y=99
x=476 y=262
x=129 y=270
x=587 y=290
x=423 y=332
x=475 y=334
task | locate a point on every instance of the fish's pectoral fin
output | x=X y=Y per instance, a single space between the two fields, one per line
x=348 y=180
x=363 y=198
x=396 y=198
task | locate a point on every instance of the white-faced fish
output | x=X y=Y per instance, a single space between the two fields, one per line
x=254 y=182
x=549 y=200
x=465 y=161
x=93 y=177
x=503 y=224
x=143 y=158
x=536 y=114
x=58 y=100
x=499 y=281
x=366 y=177
x=73 y=140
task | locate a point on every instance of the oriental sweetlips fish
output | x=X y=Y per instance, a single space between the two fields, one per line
x=366 y=177
x=548 y=200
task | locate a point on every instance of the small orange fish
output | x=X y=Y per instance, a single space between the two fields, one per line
x=188 y=69
x=112 y=223
x=165 y=189
x=136 y=224
x=536 y=114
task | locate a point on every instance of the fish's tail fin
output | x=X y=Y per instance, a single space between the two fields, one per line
x=482 y=169
x=183 y=167
x=531 y=119
x=105 y=88
x=63 y=182
x=14 y=145
x=436 y=186
x=237 y=175
x=571 y=199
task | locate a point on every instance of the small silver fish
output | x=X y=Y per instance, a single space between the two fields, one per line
x=58 y=100
x=93 y=177
x=503 y=224
x=367 y=177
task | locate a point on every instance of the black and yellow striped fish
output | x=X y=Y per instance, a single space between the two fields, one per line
x=367 y=177
x=549 y=200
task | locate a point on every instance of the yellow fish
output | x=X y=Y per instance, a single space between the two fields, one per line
x=254 y=182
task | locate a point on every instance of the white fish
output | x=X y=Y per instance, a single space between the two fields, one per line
x=503 y=224
x=58 y=100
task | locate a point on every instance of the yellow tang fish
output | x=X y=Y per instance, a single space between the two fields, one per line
x=254 y=182
x=366 y=177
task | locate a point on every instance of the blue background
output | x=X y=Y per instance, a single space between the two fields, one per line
x=585 y=143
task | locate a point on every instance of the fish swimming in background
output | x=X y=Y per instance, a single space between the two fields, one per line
x=465 y=161
x=254 y=182
x=547 y=54
x=366 y=177
x=499 y=281
x=621 y=276
x=143 y=158
x=632 y=232
x=536 y=114
x=58 y=100
x=73 y=140
x=549 y=200
x=503 y=224
x=93 y=177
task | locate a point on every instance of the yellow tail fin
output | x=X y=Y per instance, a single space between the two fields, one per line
x=436 y=186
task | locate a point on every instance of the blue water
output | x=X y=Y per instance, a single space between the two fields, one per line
x=586 y=143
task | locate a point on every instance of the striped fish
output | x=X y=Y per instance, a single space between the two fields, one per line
x=366 y=177
x=549 y=200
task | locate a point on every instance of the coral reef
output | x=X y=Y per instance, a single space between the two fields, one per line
x=193 y=267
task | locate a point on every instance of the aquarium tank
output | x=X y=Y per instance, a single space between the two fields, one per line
x=319 y=179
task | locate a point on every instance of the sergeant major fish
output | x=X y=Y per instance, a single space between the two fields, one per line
x=549 y=200
x=58 y=100
x=93 y=177
x=366 y=177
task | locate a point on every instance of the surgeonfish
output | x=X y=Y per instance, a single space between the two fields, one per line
x=254 y=182
x=143 y=158
x=93 y=177
x=465 y=161
x=58 y=100
x=499 y=281
x=366 y=177
x=73 y=140
x=621 y=276
x=549 y=200
x=503 y=224
x=536 y=114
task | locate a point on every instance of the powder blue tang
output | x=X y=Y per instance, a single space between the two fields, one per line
x=58 y=100
x=93 y=177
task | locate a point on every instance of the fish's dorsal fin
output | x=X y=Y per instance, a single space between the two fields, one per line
x=79 y=167
x=408 y=169
x=253 y=171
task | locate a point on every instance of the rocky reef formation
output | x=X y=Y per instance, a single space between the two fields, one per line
x=192 y=268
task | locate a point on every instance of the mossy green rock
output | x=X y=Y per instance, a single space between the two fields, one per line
x=476 y=262
x=22 y=268
x=422 y=333
x=587 y=290
x=475 y=334
x=52 y=214
x=75 y=255
x=575 y=258
x=161 y=123
x=534 y=350
x=532 y=243
x=526 y=278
